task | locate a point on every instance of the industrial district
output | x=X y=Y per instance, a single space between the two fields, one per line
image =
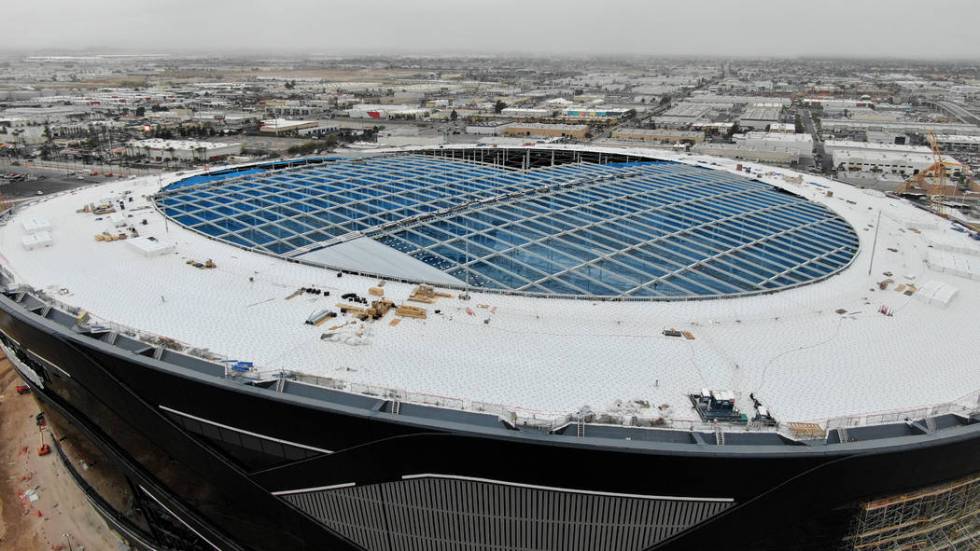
x=206 y=261
x=897 y=127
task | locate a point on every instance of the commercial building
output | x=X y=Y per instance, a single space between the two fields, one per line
x=383 y=111
x=759 y=117
x=887 y=164
x=880 y=160
x=951 y=143
x=848 y=127
x=838 y=103
x=772 y=154
x=285 y=127
x=801 y=143
x=684 y=115
x=182 y=150
x=833 y=146
x=658 y=135
x=526 y=113
x=322 y=128
x=489 y=128
x=540 y=130
x=596 y=114
x=738 y=100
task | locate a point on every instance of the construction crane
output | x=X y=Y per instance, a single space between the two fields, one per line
x=932 y=179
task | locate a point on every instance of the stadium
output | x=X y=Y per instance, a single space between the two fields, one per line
x=461 y=348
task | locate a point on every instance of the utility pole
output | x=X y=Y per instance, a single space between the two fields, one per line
x=874 y=244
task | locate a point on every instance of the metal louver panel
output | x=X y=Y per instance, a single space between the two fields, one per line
x=465 y=515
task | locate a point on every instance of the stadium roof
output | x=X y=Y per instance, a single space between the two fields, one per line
x=863 y=343
x=641 y=229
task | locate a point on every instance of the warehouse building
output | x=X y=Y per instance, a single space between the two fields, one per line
x=577 y=131
x=658 y=135
x=849 y=127
x=801 y=143
x=596 y=114
x=380 y=111
x=285 y=127
x=490 y=128
x=526 y=113
x=903 y=164
x=759 y=117
x=772 y=154
x=181 y=150
x=952 y=143
x=684 y=115
x=833 y=146
x=738 y=100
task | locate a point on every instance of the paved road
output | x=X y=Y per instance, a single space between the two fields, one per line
x=826 y=163
x=959 y=112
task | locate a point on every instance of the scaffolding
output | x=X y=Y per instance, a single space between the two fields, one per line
x=946 y=516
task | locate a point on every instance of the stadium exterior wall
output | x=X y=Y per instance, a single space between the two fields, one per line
x=167 y=427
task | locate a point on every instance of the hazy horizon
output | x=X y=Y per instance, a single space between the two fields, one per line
x=746 y=28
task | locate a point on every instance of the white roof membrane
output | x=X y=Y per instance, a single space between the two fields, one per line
x=365 y=255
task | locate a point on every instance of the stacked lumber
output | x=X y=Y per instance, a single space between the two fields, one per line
x=411 y=312
x=426 y=294
x=106 y=236
x=806 y=430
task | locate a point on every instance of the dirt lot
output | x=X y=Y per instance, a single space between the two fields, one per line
x=41 y=508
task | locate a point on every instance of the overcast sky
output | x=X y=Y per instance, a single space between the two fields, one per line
x=934 y=29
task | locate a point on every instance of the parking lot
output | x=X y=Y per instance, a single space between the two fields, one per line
x=17 y=182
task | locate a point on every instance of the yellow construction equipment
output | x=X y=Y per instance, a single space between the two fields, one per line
x=932 y=181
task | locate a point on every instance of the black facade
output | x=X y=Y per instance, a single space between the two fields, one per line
x=219 y=463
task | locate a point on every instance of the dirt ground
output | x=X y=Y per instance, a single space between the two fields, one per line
x=59 y=518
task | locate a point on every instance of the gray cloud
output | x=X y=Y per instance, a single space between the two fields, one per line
x=897 y=28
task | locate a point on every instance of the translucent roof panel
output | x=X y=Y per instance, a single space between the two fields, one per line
x=641 y=229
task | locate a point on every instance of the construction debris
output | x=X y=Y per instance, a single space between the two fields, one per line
x=411 y=312
x=394 y=321
x=426 y=294
x=672 y=333
x=307 y=290
x=353 y=297
x=106 y=236
x=315 y=291
x=806 y=431
x=206 y=265
x=376 y=292
x=376 y=311
x=319 y=317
